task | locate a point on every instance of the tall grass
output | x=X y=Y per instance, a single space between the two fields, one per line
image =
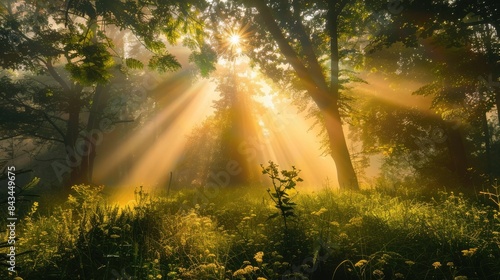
x=347 y=235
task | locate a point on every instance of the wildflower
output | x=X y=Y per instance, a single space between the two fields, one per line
x=212 y=266
x=361 y=263
x=239 y=272
x=356 y=221
x=248 y=269
x=378 y=272
x=319 y=212
x=399 y=275
x=410 y=263
x=469 y=253
x=114 y=236
x=436 y=265
x=258 y=257
x=450 y=264
x=261 y=278
x=460 y=278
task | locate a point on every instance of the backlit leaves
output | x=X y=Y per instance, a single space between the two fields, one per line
x=164 y=63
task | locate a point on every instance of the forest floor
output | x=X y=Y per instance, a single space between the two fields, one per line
x=239 y=234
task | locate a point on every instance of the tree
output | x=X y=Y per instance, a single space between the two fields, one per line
x=65 y=43
x=303 y=43
x=456 y=44
x=229 y=136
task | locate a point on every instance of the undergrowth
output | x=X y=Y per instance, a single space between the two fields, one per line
x=345 y=235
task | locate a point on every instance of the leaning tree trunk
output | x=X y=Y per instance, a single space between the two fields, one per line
x=345 y=170
x=340 y=153
x=326 y=97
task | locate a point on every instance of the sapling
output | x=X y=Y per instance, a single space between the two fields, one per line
x=282 y=184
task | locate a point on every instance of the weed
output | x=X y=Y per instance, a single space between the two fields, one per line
x=282 y=184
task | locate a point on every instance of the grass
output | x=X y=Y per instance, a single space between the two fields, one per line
x=364 y=235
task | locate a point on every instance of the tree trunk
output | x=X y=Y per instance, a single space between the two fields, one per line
x=345 y=170
x=340 y=153
x=457 y=154
x=72 y=132
x=313 y=80
x=497 y=103
x=93 y=133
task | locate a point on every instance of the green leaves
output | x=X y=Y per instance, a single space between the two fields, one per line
x=281 y=185
x=95 y=60
x=133 y=63
x=205 y=59
x=164 y=63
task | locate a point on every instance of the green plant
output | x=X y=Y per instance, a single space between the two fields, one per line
x=282 y=184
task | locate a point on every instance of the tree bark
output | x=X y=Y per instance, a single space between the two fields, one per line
x=457 y=154
x=325 y=98
x=72 y=132
x=91 y=136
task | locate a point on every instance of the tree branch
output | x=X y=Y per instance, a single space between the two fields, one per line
x=320 y=97
x=46 y=116
x=56 y=75
x=307 y=46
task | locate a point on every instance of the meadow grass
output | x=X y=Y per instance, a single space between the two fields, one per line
x=230 y=235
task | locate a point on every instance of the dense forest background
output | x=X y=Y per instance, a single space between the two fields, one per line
x=130 y=101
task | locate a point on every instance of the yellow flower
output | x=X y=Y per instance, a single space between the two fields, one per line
x=335 y=224
x=258 y=257
x=436 y=265
x=319 y=212
x=469 y=253
x=410 y=263
x=361 y=263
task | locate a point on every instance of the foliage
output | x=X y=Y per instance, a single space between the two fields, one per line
x=64 y=63
x=451 y=50
x=282 y=185
x=368 y=235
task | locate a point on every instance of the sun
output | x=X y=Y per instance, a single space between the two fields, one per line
x=234 y=39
